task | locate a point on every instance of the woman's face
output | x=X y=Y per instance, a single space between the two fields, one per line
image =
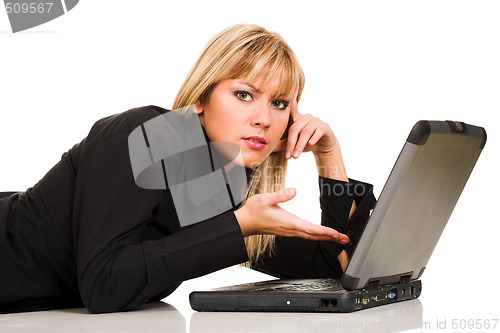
x=238 y=112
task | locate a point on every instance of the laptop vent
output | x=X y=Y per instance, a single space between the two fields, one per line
x=282 y=310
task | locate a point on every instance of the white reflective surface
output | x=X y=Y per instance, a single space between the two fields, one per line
x=446 y=305
x=162 y=317
x=157 y=317
x=391 y=318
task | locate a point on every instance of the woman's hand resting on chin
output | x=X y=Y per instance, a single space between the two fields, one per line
x=262 y=215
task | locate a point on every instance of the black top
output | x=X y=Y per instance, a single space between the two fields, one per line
x=86 y=234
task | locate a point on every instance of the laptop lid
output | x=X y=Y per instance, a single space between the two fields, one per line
x=415 y=204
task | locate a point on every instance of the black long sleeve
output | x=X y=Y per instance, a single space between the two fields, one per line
x=90 y=232
x=296 y=257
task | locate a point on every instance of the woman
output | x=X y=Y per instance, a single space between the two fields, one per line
x=86 y=234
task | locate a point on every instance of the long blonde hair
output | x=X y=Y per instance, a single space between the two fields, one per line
x=247 y=50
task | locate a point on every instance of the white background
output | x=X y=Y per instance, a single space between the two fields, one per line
x=373 y=68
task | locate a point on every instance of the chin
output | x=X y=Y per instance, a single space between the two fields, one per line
x=252 y=162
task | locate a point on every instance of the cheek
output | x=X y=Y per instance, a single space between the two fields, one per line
x=223 y=124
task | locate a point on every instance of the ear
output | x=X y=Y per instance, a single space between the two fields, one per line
x=198 y=107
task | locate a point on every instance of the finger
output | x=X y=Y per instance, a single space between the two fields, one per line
x=337 y=238
x=294 y=226
x=344 y=239
x=310 y=230
x=271 y=199
x=318 y=232
x=318 y=133
x=305 y=135
x=314 y=230
x=294 y=132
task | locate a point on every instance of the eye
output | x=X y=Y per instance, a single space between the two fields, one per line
x=243 y=95
x=282 y=105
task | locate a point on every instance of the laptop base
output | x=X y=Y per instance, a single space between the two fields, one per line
x=270 y=296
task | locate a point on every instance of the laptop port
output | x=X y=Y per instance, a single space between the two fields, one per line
x=328 y=303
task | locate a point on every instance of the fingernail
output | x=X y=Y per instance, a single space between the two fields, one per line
x=295 y=154
x=287 y=154
x=289 y=191
x=336 y=236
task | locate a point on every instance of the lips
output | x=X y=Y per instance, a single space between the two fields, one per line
x=255 y=142
x=257 y=139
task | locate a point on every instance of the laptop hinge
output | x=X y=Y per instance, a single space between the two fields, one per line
x=372 y=284
x=405 y=278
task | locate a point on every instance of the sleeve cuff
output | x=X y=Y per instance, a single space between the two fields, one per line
x=336 y=199
x=363 y=196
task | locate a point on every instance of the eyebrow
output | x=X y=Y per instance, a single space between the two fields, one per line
x=249 y=85
x=256 y=89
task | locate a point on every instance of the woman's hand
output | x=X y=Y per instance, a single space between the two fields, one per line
x=306 y=133
x=261 y=215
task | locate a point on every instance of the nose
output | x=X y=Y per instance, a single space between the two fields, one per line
x=261 y=116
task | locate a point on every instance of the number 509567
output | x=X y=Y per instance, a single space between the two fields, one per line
x=28 y=7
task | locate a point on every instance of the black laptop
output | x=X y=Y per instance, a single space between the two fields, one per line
x=402 y=232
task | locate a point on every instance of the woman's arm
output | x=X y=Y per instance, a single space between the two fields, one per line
x=296 y=257
x=309 y=133
x=129 y=246
x=331 y=165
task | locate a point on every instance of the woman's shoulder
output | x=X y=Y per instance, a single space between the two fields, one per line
x=124 y=122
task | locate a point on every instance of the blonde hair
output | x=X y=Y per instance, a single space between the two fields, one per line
x=247 y=50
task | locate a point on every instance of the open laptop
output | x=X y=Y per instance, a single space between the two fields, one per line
x=400 y=236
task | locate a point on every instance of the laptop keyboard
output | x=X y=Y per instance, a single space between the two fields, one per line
x=316 y=285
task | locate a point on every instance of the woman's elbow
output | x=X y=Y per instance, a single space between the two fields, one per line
x=105 y=297
x=107 y=305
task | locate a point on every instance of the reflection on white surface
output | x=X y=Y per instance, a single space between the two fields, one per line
x=395 y=317
x=155 y=317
